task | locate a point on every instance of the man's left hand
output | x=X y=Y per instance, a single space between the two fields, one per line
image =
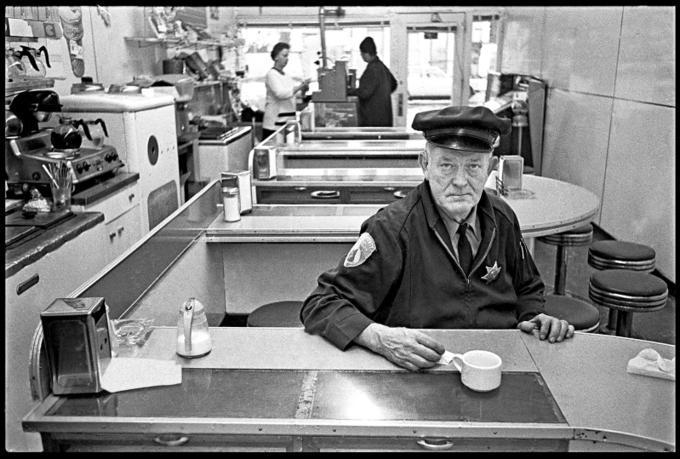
x=548 y=327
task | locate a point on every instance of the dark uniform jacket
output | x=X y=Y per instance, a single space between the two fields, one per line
x=375 y=86
x=413 y=278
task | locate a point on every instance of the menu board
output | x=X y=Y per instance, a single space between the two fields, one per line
x=335 y=114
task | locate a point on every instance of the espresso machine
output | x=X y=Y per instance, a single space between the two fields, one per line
x=32 y=143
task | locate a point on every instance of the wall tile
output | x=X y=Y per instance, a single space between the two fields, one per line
x=646 y=70
x=580 y=48
x=575 y=139
x=639 y=194
x=522 y=38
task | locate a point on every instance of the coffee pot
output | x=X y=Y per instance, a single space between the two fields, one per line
x=67 y=136
x=95 y=132
x=35 y=68
x=193 y=335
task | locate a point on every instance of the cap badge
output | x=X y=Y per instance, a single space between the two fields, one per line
x=492 y=272
x=360 y=251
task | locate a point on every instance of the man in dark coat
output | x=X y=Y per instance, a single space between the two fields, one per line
x=448 y=255
x=375 y=86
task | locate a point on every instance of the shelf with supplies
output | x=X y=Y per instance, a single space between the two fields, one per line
x=15 y=87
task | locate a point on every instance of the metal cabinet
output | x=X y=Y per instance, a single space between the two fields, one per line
x=329 y=194
x=123 y=232
x=27 y=294
x=171 y=442
x=122 y=219
x=421 y=444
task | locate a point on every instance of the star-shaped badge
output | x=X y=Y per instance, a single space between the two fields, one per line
x=492 y=272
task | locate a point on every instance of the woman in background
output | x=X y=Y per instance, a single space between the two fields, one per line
x=281 y=89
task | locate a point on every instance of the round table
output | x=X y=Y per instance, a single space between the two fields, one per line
x=555 y=206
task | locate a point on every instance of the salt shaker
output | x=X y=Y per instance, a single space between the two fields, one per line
x=230 y=198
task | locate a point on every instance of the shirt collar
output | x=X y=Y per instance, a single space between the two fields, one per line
x=471 y=220
x=279 y=70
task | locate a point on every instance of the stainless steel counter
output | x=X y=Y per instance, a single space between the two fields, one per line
x=283 y=385
x=554 y=206
x=358 y=146
x=44 y=241
x=346 y=133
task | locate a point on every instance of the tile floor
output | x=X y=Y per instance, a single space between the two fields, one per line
x=654 y=326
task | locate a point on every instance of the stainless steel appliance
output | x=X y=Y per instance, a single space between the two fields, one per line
x=30 y=147
x=78 y=344
x=141 y=127
x=226 y=152
x=26 y=156
x=522 y=99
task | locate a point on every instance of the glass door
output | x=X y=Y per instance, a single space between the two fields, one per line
x=430 y=74
x=430 y=59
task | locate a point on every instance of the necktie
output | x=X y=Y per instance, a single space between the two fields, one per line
x=464 y=249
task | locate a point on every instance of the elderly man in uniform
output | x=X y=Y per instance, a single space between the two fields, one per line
x=448 y=255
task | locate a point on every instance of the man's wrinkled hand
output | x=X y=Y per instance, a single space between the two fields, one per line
x=552 y=328
x=410 y=349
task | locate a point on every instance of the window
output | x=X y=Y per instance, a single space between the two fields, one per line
x=342 y=43
x=484 y=51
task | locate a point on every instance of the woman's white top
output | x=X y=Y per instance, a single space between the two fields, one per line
x=280 y=104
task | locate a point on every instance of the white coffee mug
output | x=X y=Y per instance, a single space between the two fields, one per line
x=479 y=370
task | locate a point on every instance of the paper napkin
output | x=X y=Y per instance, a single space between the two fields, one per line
x=125 y=373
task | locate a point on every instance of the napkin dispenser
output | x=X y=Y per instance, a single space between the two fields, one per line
x=511 y=168
x=77 y=343
x=264 y=165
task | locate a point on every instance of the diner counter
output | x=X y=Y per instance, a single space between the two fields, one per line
x=360 y=146
x=283 y=385
x=46 y=240
x=346 y=133
x=552 y=207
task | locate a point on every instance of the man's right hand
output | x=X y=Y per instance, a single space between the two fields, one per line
x=410 y=349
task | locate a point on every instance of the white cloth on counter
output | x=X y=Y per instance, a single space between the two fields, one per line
x=124 y=373
x=648 y=362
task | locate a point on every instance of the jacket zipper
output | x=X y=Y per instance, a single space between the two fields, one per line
x=468 y=287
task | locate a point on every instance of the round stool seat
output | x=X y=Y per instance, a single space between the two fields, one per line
x=583 y=316
x=277 y=314
x=621 y=255
x=627 y=290
x=583 y=235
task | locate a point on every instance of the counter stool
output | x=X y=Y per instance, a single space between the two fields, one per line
x=581 y=236
x=620 y=255
x=277 y=314
x=583 y=316
x=627 y=292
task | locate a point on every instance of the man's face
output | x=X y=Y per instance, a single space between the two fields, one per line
x=456 y=178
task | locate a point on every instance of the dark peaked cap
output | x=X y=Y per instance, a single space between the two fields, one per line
x=462 y=128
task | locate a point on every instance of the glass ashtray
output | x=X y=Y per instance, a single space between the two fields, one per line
x=131 y=331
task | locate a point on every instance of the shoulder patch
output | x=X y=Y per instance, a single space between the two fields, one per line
x=360 y=251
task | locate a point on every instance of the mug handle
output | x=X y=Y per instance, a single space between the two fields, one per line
x=459 y=366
